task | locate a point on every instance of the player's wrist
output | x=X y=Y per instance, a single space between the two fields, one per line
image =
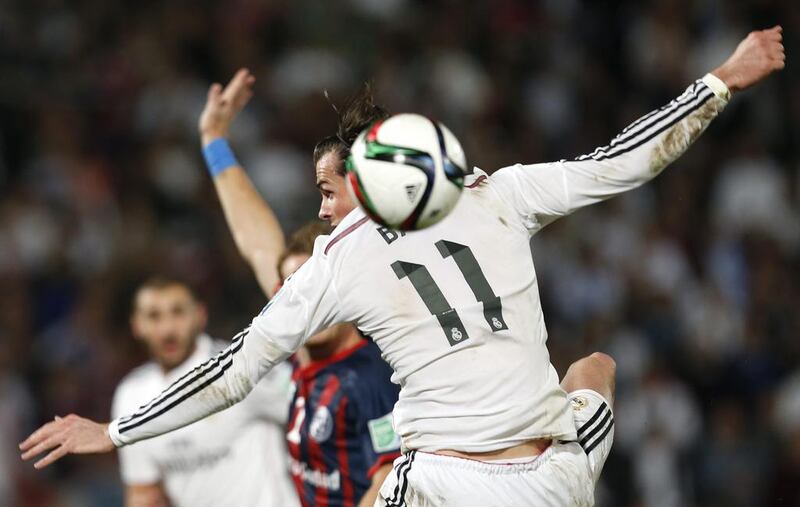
x=111 y=430
x=218 y=156
x=728 y=77
x=210 y=135
x=717 y=85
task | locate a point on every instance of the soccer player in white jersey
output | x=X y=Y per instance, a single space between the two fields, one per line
x=455 y=311
x=237 y=457
x=343 y=386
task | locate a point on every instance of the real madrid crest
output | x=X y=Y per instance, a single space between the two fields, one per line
x=579 y=402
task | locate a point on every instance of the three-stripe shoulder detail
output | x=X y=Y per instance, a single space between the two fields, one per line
x=646 y=128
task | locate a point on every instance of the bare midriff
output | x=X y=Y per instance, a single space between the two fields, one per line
x=531 y=448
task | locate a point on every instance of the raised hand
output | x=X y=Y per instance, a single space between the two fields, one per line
x=66 y=435
x=757 y=56
x=222 y=105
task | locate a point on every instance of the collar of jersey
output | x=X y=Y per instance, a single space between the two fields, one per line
x=349 y=223
x=310 y=370
x=349 y=219
x=472 y=178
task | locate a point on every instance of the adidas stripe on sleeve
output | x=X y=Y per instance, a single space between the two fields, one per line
x=540 y=193
x=305 y=304
x=593 y=431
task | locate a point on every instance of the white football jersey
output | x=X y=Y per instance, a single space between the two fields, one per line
x=454 y=308
x=235 y=457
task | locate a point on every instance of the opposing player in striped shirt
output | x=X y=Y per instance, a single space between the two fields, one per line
x=481 y=414
x=340 y=435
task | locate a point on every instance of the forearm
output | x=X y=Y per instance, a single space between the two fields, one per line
x=151 y=495
x=645 y=147
x=368 y=500
x=215 y=385
x=540 y=193
x=254 y=227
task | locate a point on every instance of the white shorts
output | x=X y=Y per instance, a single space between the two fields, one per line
x=564 y=475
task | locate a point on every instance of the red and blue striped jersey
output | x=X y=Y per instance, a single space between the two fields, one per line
x=340 y=429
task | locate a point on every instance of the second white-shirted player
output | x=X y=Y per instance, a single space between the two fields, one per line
x=455 y=310
x=236 y=457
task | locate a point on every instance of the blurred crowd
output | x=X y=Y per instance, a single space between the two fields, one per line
x=690 y=283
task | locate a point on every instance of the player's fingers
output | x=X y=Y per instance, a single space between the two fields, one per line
x=37 y=436
x=775 y=38
x=246 y=81
x=773 y=33
x=55 y=455
x=250 y=80
x=214 y=92
x=779 y=55
x=777 y=29
x=244 y=91
x=238 y=76
x=235 y=85
x=41 y=447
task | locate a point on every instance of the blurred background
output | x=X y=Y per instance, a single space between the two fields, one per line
x=691 y=283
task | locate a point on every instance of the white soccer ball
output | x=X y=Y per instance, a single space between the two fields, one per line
x=406 y=172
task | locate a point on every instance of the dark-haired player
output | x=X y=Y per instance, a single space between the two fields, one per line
x=234 y=458
x=481 y=414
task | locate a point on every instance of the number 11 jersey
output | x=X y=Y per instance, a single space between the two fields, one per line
x=453 y=308
x=455 y=311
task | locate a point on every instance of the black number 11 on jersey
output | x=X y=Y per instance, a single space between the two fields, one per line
x=437 y=304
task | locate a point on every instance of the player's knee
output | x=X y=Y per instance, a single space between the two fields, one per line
x=594 y=364
x=596 y=372
x=604 y=362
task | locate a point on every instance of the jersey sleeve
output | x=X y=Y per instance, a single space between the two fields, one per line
x=379 y=442
x=540 y=193
x=306 y=304
x=137 y=466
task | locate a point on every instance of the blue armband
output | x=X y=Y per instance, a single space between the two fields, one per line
x=219 y=156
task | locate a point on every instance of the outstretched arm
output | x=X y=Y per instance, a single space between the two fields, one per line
x=256 y=231
x=541 y=193
x=306 y=303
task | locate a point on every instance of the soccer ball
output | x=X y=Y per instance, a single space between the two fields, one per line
x=406 y=172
